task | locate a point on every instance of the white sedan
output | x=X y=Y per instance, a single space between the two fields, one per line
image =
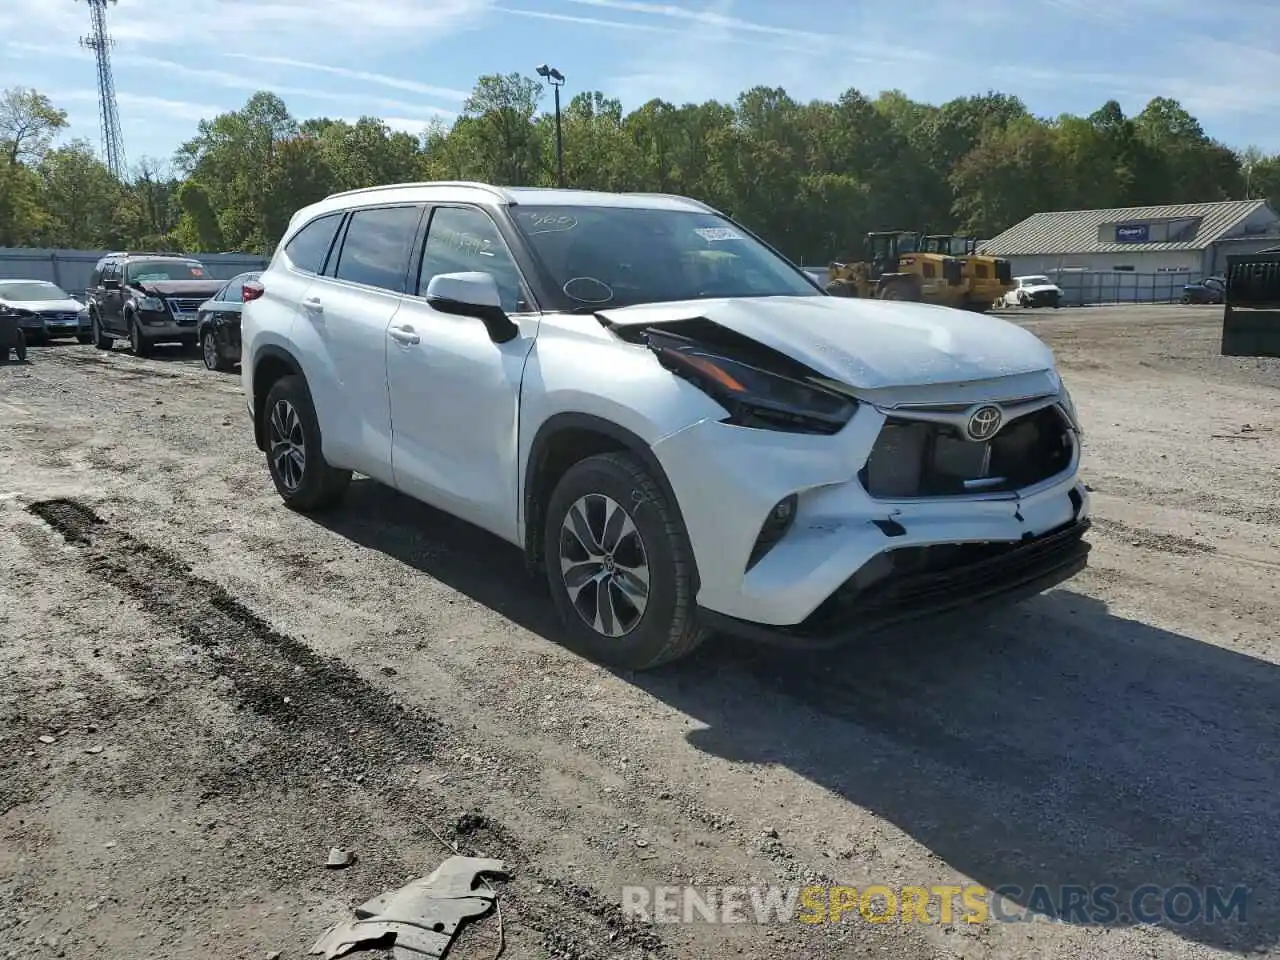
x=1033 y=291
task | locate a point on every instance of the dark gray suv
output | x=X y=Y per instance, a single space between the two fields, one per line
x=148 y=299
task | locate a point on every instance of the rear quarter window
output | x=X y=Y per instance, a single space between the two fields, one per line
x=309 y=247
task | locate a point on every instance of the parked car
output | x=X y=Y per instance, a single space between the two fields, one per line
x=218 y=321
x=42 y=310
x=1208 y=290
x=676 y=424
x=148 y=298
x=1036 y=290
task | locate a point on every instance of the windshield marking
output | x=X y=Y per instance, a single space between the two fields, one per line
x=711 y=234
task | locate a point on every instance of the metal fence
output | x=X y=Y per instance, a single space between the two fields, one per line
x=1084 y=287
x=71 y=269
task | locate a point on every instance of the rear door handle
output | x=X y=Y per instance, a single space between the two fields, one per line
x=313 y=304
x=404 y=335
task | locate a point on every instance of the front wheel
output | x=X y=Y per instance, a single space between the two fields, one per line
x=620 y=566
x=140 y=345
x=101 y=340
x=303 y=478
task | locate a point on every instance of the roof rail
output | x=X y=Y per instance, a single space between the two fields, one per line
x=149 y=253
x=496 y=191
x=671 y=196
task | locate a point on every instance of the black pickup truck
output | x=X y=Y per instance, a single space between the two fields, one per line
x=1251 y=315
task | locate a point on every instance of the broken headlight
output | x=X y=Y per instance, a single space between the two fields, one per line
x=754 y=397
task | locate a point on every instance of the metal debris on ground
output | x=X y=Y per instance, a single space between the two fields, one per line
x=423 y=915
x=339 y=858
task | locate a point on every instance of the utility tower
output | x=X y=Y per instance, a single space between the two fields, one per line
x=100 y=43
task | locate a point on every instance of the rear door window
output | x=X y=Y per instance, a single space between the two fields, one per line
x=309 y=247
x=376 y=247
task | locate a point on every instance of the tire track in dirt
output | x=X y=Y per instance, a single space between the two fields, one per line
x=324 y=695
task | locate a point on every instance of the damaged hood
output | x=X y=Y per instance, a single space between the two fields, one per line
x=866 y=344
x=180 y=288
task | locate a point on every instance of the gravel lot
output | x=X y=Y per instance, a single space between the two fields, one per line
x=232 y=689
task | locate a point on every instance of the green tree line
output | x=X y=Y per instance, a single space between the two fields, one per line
x=810 y=177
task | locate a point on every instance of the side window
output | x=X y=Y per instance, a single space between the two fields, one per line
x=375 y=250
x=310 y=245
x=111 y=272
x=461 y=240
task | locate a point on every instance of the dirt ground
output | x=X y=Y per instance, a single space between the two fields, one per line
x=230 y=689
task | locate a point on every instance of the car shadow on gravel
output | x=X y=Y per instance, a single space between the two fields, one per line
x=1053 y=747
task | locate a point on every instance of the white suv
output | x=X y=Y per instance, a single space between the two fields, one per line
x=670 y=418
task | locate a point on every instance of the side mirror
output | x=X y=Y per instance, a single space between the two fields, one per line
x=110 y=284
x=472 y=294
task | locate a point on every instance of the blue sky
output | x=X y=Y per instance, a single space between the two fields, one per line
x=411 y=60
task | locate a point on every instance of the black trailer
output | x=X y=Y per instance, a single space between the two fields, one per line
x=1251 y=315
x=12 y=339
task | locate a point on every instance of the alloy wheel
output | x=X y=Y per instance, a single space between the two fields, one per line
x=287 y=444
x=604 y=565
x=210 y=352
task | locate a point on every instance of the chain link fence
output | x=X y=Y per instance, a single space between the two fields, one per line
x=1082 y=288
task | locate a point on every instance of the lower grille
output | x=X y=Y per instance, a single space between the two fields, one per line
x=980 y=271
x=914 y=458
x=912 y=582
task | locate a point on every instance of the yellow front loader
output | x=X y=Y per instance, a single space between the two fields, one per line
x=895 y=266
x=986 y=278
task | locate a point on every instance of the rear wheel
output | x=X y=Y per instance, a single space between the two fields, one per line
x=842 y=288
x=20 y=348
x=620 y=566
x=209 y=351
x=303 y=478
x=899 y=290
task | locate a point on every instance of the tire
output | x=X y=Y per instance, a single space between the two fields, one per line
x=899 y=291
x=664 y=627
x=290 y=425
x=213 y=359
x=84 y=339
x=20 y=348
x=101 y=340
x=841 y=288
x=137 y=342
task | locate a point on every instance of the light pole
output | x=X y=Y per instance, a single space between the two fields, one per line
x=556 y=79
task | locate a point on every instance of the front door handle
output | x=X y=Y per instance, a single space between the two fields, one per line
x=313 y=304
x=404 y=335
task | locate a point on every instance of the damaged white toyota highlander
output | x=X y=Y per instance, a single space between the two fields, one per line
x=675 y=423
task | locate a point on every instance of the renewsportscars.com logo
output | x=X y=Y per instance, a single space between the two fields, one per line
x=1098 y=905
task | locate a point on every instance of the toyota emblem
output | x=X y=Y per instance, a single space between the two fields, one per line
x=984 y=423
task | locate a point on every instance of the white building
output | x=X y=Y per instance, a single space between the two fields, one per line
x=1188 y=238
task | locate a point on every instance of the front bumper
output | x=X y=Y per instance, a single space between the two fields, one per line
x=727 y=480
x=159 y=325
x=57 y=326
x=987 y=576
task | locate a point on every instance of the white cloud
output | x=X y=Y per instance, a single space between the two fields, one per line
x=139 y=105
x=376 y=78
x=727 y=25
x=239 y=81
